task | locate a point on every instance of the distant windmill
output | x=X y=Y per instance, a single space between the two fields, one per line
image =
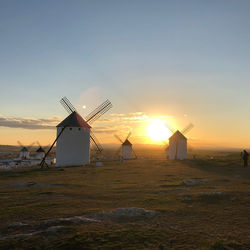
x=126 y=149
x=177 y=148
x=74 y=135
x=40 y=152
x=24 y=153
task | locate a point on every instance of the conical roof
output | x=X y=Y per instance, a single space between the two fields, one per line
x=24 y=149
x=177 y=135
x=127 y=143
x=40 y=150
x=74 y=120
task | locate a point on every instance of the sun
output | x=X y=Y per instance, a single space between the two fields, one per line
x=158 y=131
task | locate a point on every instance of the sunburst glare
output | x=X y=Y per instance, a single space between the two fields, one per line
x=158 y=131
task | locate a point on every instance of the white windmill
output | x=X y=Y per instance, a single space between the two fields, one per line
x=74 y=135
x=40 y=152
x=126 y=149
x=24 y=153
x=177 y=148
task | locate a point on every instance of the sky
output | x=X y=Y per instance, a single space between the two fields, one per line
x=179 y=61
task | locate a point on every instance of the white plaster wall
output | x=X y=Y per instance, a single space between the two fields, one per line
x=40 y=155
x=181 y=145
x=24 y=154
x=73 y=147
x=127 y=152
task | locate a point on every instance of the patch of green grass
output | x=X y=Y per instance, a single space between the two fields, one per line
x=150 y=184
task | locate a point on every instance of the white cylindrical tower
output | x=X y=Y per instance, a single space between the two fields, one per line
x=40 y=153
x=177 y=149
x=24 y=153
x=73 y=145
x=127 y=152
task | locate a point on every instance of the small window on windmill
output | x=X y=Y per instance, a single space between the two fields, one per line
x=70 y=128
x=79 y=129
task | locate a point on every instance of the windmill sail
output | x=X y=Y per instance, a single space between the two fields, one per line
x=99 y=111
x=118 y=138
x=96 y=142
x=129 y=134
x=67 y=105
x=187 y=128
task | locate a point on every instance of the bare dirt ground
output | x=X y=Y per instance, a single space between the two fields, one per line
x=149 y=203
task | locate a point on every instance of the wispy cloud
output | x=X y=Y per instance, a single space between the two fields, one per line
x=106 y=130
x=29 y=123
x=111 y=124
x=128 y=118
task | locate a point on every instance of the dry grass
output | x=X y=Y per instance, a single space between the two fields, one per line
x=189 y=217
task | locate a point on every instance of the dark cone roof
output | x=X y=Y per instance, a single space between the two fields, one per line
x=127 y=143
x=178 y=135
x=74 y=120
x=24 y=149
x=40 y=150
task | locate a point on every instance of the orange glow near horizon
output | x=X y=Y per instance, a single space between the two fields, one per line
x=158 y=131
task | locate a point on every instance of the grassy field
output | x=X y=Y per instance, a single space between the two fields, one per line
x=199 y=204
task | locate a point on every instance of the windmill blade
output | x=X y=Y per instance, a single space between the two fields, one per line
x=20 y=144
x=134 y=153
x=118 y=138
x=89 y=116
x=99 y=111
x=129 y=134
x=32 y=144
x=67 y=105
x=171 y=129
x=187 y=128
x=96 y=143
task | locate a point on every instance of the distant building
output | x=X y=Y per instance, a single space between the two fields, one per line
x=127 y=152
x=177 y=149
x=24 y=153
x=73 y=146
x=40 y=153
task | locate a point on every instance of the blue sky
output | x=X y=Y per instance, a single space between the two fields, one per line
x=159 y=57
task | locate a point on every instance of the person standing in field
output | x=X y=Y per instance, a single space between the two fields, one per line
x=244 y=156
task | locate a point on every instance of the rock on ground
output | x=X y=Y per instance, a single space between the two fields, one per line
x=193 y=182
x=28 y=184
x=127 y=212
x=52 y=229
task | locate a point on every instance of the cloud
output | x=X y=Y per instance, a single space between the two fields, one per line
x=29 y=123
x=127 y=118
x=105 y=130
x=111 y=124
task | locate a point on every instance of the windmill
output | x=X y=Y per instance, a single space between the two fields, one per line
x=177 y=148
x=74 y=135
x=126 y=149
x=40 y=152
x=24 y=153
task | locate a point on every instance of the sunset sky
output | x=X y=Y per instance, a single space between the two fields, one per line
x=177 y=61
